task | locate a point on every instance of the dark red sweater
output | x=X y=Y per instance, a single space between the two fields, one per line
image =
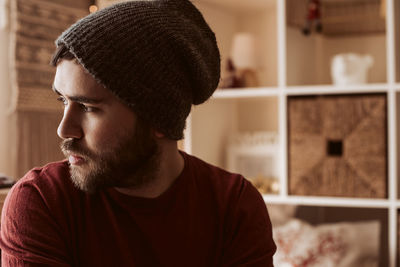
x=208 y=217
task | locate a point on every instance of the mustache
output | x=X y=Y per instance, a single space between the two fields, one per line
x=71 y=145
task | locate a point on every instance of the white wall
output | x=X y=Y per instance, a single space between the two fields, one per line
x=301 y=57
x=261 y=23
x=212 y=123
x=257 y=114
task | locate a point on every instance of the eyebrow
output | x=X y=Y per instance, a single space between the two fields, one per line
x=80 y=99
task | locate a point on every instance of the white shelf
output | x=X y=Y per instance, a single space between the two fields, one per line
x=286 y=67
x=328 y=201
x=246 y=92
x=303 y=90
x=333 y=89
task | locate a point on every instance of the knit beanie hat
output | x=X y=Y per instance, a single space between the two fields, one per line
x=157 y=56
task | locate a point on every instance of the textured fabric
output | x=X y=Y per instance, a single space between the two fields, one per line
x=345 y=244
x=208 y=217
x=34 y=24
x=158 y=56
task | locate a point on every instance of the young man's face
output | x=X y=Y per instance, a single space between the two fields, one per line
x=105 y=143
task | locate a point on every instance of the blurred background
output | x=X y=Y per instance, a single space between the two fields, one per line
x=307 y=109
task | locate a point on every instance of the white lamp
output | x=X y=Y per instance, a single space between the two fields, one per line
x=3 y=14
x=243 y=55
x=243 y=51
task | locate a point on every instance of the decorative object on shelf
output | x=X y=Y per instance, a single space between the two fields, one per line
x=335 y=244
x=243 y=55
x=255 y=155
x=337 y=145
x=313 y=17
x=5 y=181
x=265 y=185
x=340 y=17
x=93 y=8
x=231 y=78
x=350 y=68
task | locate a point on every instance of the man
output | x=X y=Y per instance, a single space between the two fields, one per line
x=127 y=76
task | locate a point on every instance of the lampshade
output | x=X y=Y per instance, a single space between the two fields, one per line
x=3 y=14
x=243 y=51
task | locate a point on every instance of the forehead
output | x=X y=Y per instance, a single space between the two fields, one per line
x=71 y=79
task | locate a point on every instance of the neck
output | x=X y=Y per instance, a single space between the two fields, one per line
x=171 y=166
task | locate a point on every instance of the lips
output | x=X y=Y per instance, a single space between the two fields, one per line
x=76 y=160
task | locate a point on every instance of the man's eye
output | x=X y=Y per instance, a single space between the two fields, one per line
x=87 y=108
x=63 y=100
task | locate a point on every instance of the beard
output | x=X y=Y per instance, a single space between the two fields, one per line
x=133 y=163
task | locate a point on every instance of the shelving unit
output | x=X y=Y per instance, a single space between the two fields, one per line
x=296 y=65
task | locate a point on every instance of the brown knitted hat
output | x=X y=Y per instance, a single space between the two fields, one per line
x=158 y=56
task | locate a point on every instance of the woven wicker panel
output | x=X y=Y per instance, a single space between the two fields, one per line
x=35 y=24
x=337 y=145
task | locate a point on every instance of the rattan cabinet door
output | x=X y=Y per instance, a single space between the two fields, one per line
x=338 y=145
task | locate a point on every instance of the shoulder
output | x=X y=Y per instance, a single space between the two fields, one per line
x=206 y=171
x=44 y=194
x=35 y=216
x=53 y=172
x=53 y=176
x=42 y=185
x=227 y=185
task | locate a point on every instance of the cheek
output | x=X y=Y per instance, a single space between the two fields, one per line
x=106 y=134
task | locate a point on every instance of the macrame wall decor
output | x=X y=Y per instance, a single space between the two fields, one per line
x=35 y=24
x=35 y=113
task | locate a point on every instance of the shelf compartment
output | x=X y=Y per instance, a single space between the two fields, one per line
x=230 y=122
x=309 y=56
x=337 y=145
x=341 y=17
x=358 y=233
x=319 y=215
x=256 y=18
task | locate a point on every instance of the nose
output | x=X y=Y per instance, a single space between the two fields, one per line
x=70 y=126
